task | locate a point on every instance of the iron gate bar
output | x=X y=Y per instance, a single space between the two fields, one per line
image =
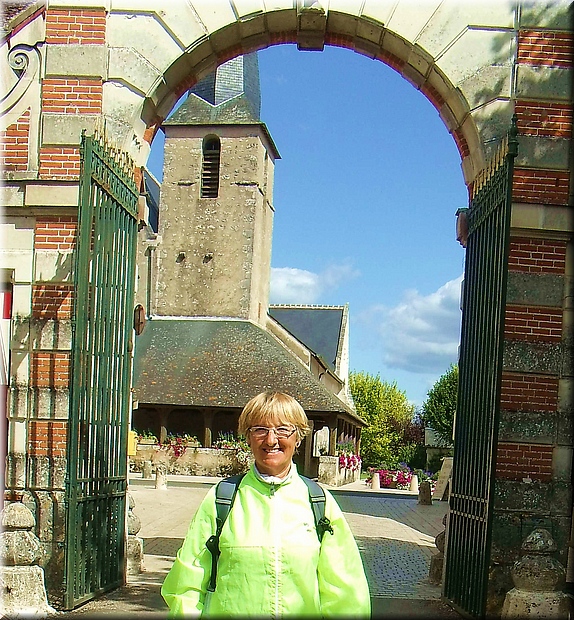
x=480 y=370
x=104 y=277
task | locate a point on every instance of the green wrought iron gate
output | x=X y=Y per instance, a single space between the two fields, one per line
x=480 y=370
x=100 y=382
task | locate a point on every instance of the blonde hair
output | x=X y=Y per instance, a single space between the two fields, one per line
x=267 y=406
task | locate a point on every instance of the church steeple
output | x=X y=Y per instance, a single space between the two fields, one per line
x=231 y=94
x=216 y=211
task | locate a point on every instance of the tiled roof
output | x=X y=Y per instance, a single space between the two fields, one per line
x=317 y=327
x=231 y=94
x=238 y=76
x=220 y=363
x=152 y=191
x=195 y=111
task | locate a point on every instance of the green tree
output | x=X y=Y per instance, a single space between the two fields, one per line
x=389 y=415
x=439 y=408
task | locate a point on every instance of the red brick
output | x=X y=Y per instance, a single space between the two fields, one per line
x=528 y=392
x=543 y=47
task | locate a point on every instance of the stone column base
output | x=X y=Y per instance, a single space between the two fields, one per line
x=23 y=592
x=135 y=556
x=526 y=604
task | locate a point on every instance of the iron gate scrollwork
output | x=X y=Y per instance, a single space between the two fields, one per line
x=480 y=371
x=104 y=277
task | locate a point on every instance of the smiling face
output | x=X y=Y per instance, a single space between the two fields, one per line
x=273 y=455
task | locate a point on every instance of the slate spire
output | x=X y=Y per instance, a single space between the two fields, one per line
x=231 y=94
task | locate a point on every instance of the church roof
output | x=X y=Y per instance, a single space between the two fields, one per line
x=230 y=95
x=152 y=191
x=319 y=328
x=212 y=362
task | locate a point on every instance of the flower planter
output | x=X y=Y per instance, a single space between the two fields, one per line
x=192 y=461
x=331 y=473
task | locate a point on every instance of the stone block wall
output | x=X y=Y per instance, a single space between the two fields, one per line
x=534 y=454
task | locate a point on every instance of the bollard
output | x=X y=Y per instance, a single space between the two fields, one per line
x=425 y=493
x=414 y=486
x=160 y=478
x=375 y=481
x=146 y=469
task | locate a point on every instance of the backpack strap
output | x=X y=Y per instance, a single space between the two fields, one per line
x=225 y=492
x=317 y=499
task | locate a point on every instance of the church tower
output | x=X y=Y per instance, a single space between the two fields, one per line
x=216 y=210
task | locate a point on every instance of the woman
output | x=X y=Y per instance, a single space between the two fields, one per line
x=272 y=563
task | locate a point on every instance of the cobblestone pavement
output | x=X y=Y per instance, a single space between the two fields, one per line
x=394 y=533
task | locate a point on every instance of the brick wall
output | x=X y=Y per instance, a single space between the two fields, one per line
x=537 y=255
x=76 y=26
x=54 y=300
x=538 y=186
x=50 y=369
x=536 y=118
x=70 y=95
x=58 y=162
x=47 y=438
x=533 y=323
x=540 y=48
x=55 y=233
x=14 y=143
x=543 y=47
x=528 y=392
x=516 y=461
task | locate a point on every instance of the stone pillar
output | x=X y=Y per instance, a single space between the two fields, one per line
x=538 y=581
x=161 y=476
x=146 y=469
x=425 y=493
x=22 y=581
x=375 y=481
x=437 y=560
x=135 y=550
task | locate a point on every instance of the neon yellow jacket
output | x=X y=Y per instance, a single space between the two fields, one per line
x=271 y=562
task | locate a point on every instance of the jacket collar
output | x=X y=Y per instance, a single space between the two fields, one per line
x=267 y=479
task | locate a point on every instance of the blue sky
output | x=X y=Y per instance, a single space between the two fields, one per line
x=365 y=194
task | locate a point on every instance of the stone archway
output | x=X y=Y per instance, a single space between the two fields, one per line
x=424 y=44
x=73 y=67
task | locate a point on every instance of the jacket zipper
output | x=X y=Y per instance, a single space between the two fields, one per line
x=277 y=563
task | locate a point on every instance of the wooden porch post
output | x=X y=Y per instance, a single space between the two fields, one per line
x=332 y=435
x=208 y=428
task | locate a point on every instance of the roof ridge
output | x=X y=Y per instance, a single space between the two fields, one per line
x=322 y=306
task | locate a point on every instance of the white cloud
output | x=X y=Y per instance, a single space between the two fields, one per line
x=422 y=333
x=299 y=286
x=289 y=285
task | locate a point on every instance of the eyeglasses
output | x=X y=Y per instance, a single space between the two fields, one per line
x=282 y=432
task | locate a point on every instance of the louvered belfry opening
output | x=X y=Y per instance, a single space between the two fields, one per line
x=210 y=169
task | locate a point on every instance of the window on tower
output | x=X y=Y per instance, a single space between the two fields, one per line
x=210 y=168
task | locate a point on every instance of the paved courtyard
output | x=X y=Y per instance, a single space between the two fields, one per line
x=394 y=533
